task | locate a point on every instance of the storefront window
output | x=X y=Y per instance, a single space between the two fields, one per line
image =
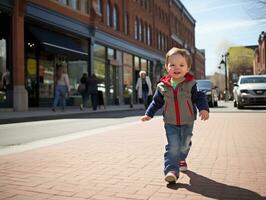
x=127 y=77
x=99 y=66
x=136 y=63
x=5 y=75
x=75 y=70
x=144 y=65
x=46 y=78
x=110 y=53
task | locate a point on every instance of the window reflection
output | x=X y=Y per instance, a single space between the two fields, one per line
x=128 y=77
x=5 y=75
x=99 y=66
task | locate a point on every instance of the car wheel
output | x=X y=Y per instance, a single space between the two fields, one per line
x=239 y=106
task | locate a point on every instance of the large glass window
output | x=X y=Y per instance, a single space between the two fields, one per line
x=110 y=53
x=99 y=65
x=46 y=77
x=75 y=70
x=143 y=63
x=5 y=75
x=136 y=63
x=127 y=77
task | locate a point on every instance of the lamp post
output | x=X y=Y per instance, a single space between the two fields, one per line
x=224 y=63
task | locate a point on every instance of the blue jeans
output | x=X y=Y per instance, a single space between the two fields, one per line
x=60 y=96
x=85 y=98
x=178 y=144
x=145 y=98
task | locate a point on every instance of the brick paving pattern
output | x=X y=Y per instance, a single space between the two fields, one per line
x=227 y=161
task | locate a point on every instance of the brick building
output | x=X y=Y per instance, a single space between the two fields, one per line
x=200 y=63
x=113 y=39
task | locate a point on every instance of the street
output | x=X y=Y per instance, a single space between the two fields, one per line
x=18 y=134
x=122 y=158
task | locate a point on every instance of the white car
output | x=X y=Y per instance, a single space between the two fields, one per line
x=250 y=90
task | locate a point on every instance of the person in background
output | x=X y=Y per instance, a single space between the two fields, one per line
x=6 y=82
x=143 y=88
x=92 y=88
x=177 y=92
x=84 y=91
x=62 y=88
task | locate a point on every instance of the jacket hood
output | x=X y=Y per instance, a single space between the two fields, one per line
x=166 y=79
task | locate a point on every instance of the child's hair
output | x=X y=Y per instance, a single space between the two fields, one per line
x=182 y=52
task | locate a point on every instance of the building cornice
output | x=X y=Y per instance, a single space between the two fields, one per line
x=107 y=39
x=51 y=17
x=180 y=5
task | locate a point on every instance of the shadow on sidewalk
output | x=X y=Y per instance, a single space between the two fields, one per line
x=212 y=189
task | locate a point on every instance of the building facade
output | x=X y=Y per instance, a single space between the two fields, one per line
x=113 y=39
x=260 y=55
x=200 y=64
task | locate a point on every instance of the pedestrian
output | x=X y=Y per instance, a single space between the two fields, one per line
x=83 y=90
x=177 y=93
x=62 y=87
x=92 y=85
x=6 y=81
x=143 y=87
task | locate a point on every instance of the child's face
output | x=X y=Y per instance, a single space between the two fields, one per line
x=177 y=66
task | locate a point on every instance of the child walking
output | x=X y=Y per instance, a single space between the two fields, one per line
x=178 y=95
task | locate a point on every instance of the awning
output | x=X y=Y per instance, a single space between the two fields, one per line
x=58 y=43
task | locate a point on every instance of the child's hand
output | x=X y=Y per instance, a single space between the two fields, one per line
x=145 y=118
x=204 y=115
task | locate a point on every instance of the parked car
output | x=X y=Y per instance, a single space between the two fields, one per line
x=250 y=90
x=210 y=91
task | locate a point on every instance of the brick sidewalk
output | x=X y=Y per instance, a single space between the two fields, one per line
x=227 y=161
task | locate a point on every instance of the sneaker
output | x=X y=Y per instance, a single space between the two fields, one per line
x=170 y=177
x=182 y=166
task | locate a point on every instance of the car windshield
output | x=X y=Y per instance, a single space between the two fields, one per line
x=253 y=80
x=204 y=84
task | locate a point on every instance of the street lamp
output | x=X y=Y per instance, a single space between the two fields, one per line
x=224 y=63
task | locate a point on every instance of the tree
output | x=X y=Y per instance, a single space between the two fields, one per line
x=240 y=57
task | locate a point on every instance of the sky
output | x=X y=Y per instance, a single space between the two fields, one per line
x=221 y=24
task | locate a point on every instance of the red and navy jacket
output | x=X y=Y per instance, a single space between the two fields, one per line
x=179 y=104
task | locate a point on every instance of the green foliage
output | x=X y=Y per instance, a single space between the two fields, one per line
x=240 y=57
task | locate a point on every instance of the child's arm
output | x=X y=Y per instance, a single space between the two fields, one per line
x=204 y=115
x=156 y=104
x=145 y=118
